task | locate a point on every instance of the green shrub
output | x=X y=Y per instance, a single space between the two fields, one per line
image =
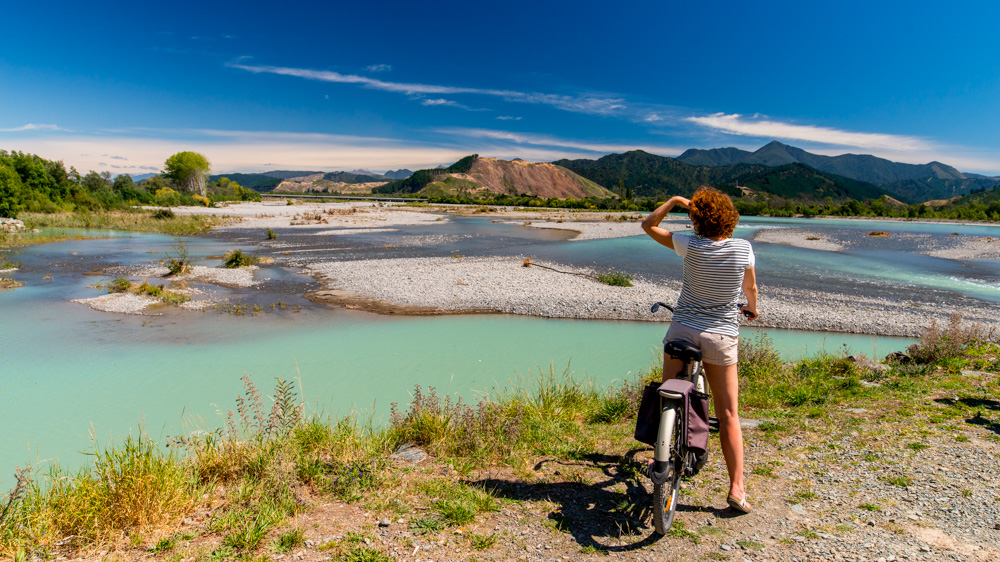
x=237 y=258
x=163 y=214
x=616 y=278
x=179 y=264
x=119 y=285
x=271 y=234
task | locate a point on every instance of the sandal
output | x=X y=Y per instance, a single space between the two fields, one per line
x=739 y=505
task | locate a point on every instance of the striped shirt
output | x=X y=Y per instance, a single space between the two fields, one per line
x=713 y=282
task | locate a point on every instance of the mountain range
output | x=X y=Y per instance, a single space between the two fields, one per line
x=916 y=182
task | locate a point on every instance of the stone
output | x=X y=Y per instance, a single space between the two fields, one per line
x=409 y=452
x=725 y=547
x=798 y=509
x=898 y=357
x=384 y=522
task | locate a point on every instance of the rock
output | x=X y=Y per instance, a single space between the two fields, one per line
x=750 y=424
x=11 y=225
x=797 y=508
x=409 y=452
x=898 y=357
x=725 y=547
x=856 y=410
x=384 y=522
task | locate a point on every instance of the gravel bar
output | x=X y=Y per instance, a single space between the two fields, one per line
x=503 y=284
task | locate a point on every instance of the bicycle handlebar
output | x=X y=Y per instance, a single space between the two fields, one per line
x=656 y=306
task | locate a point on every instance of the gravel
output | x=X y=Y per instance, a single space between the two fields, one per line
x=798 y=238
x=122 y=303
x=502 y=284
x=309 y=215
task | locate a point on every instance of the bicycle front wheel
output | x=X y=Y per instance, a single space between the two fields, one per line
x=665 y=495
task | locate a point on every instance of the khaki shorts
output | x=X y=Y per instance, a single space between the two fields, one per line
x=716 y=349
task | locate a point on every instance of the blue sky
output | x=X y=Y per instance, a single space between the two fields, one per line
x=384 y=85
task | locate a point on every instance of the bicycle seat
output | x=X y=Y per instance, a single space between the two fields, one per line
x=682 y=350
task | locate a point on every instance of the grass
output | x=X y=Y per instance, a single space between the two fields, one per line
x=237 y=258
x=125 y=285
x=251 y=477
x=615 y=278
x=162 y=221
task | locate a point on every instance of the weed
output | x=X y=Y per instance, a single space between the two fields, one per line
x=902 y=481
x=751 y=545
x=678 y=530
x=483 y=542
x=237 y=258
x=365 y=555
x=163 y=214
x=424 y=525
x=119 y=284
x=271 y=234
x=615 y=278
x=179 y=263
x=917 y=446
x=966 y=493
x=292 y=538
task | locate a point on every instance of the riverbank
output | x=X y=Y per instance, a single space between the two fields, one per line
x=467 y=285
x=898 y=458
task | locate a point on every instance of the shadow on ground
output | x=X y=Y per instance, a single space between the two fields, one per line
x=980 y=404
x=613 y=515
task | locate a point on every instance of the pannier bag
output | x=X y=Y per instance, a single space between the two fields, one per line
x=696 y=403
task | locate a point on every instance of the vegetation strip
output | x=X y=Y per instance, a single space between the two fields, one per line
x=547 y=462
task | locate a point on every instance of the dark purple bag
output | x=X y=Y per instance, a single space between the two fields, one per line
x=696 y=403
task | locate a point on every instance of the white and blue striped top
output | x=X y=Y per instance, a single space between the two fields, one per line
x=713 y=282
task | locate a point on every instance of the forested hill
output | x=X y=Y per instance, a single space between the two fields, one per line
x=914 y=182
x=649 y=175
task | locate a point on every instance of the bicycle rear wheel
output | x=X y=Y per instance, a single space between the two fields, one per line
x=665 y=495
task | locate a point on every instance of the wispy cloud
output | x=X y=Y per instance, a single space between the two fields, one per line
x=532 y=139
x=593 y=104
x=737 y=124
x=33 y=127
x=378 y=68
x=508 y=118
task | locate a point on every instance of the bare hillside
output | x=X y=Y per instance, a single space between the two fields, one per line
x=518 y=177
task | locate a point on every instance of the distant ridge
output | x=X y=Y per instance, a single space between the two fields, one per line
x=650 y=175
x=398 y=174
x=933 y=180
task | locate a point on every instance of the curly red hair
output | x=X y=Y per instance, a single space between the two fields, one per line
x=712 y=213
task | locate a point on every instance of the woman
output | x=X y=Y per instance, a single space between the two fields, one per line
x=716 y=268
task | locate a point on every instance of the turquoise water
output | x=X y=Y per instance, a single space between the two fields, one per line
x=67 y=372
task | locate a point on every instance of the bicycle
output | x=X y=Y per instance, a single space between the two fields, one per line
x=672 y=456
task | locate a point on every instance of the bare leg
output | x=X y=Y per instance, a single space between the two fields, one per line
x=672 y=368
x=725 y=395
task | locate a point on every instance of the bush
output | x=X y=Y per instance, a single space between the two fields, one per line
x=119 y=285
x=163 y=214
x=616 y=279
x=179 y=264
x=940 y=345
x=237 y=258
x=271 y=235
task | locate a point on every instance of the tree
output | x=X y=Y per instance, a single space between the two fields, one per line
x=189 y=170
x=11 y=191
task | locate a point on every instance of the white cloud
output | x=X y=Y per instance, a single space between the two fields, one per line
x=736 y=124
x=379 y=68
x=592 y=104
x=532 y=139
x=33 y=127
x=508 y=118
